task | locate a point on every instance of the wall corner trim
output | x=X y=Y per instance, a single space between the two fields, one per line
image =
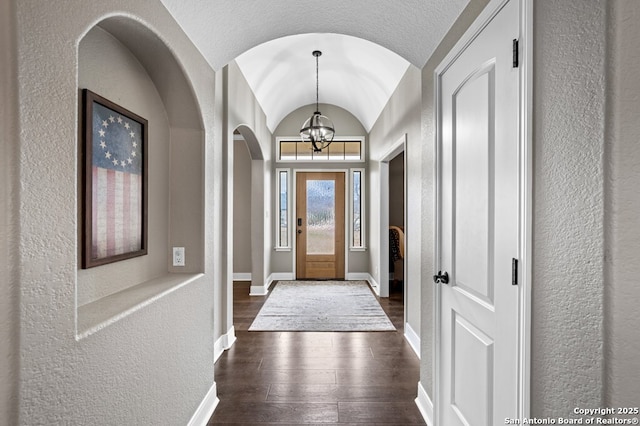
x=364 y=276
x=206 y=408
x=223 y=343
x=424 y=405
x=374 y=285
x=280 y=276
x=358 y=276
x=263 y=290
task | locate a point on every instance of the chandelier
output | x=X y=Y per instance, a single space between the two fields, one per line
x=318 y=129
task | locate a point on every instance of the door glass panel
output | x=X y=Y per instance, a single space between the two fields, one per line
x=357 y=210
x=321 y=220
x=336 y=151
x=288 y=151
x=303 y=151
x=283 y=213
x=352 y=151
x=321 y=155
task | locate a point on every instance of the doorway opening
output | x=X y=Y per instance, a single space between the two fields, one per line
x=396 y=205
x=393 y=226
x=246 y=226
x=241 y=209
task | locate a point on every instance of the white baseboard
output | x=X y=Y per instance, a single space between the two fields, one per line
x=282 y=276
x=425 y=405
x=242 y=276
x=365 y=276
x=374 y=285
x=258 y=290
x=263 y=290
x=358 y=276
x=206 y=408
x=223 y=343
x=231 y=337
x=218 y=348
x=413 y=338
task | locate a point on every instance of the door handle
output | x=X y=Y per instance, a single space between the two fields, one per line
x=441 y=278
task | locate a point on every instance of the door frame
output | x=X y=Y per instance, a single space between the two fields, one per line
x=294 y=211
x=524 y=202
x=396 y=148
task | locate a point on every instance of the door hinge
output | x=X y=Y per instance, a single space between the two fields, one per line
x=515 y=53
x=514 y=271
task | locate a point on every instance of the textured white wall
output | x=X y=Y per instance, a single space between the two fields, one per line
x=9 y=257
x=568 y=242
x=154 y=366
x=400 y=116
x=622 y=292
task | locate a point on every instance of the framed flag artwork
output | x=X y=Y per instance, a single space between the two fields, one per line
x=114 y=176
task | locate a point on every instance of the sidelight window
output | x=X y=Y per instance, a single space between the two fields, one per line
x=282 y=209
x=356 y=209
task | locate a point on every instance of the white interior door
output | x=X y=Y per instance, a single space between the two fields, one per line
x=479 y=225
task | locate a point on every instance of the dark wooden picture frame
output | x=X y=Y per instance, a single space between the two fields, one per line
x=114 y=182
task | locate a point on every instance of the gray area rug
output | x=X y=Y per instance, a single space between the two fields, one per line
x=322 y=306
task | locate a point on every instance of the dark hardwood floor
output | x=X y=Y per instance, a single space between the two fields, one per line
x=300 y=378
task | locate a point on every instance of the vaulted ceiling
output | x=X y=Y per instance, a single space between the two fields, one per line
x=354 y=74
x=367 y=46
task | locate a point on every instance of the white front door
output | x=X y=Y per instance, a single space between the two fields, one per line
x=479 y=228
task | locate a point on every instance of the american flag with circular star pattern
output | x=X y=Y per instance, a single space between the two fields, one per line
x=117 y=183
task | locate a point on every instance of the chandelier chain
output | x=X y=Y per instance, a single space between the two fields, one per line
x=317 y=84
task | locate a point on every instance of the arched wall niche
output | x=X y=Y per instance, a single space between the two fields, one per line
x=163 y=68
x=126 y=62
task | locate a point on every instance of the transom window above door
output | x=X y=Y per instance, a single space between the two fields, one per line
x=293 y=149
